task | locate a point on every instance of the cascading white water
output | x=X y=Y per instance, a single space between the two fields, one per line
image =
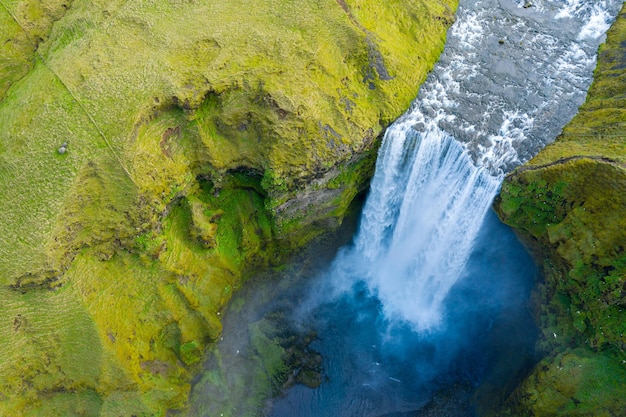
x=506 y=84
x=415 y=234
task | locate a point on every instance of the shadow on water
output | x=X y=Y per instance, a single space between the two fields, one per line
x=369 y=366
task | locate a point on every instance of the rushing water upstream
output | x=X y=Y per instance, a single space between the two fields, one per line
x=431 y=292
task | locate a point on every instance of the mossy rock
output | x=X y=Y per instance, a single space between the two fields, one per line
x=573 y=383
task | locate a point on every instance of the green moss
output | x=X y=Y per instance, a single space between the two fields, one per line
x=324 y=204
x=65 y=404
x=240 y=380
x=575 y=212
x=240 y=226
x=251 y=365
x=190 y=352
x=272 y=358
x=40 y=353
x=573 y=383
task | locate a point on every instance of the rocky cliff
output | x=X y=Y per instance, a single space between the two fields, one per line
x=152 y=153
x=569 y=205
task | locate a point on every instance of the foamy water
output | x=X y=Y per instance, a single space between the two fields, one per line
x=431 y=270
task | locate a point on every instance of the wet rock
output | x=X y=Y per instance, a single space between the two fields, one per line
x=309 y=378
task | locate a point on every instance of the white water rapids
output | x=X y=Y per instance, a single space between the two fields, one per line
x=417 y=229
x=509 y=79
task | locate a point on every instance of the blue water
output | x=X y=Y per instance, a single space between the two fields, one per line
x=374 y=367
x=432 y=295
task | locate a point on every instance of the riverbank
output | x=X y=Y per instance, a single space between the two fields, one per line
x=567 y=204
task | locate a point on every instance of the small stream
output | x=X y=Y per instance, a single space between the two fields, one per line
x=424 y=312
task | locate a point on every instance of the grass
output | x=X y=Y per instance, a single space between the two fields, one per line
x=569 y=381
x=16 y=53
x=185 y=133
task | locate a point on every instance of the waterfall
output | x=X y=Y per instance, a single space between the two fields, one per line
x=507 y=82
x=414 y=232
x=432 y=285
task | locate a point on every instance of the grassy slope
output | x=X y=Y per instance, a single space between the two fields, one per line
x=569 y=203
x=187 y=124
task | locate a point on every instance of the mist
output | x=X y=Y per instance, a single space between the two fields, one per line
x=426 y=311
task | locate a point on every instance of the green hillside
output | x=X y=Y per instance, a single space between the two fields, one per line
x=152 y=153
x=569 y=205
